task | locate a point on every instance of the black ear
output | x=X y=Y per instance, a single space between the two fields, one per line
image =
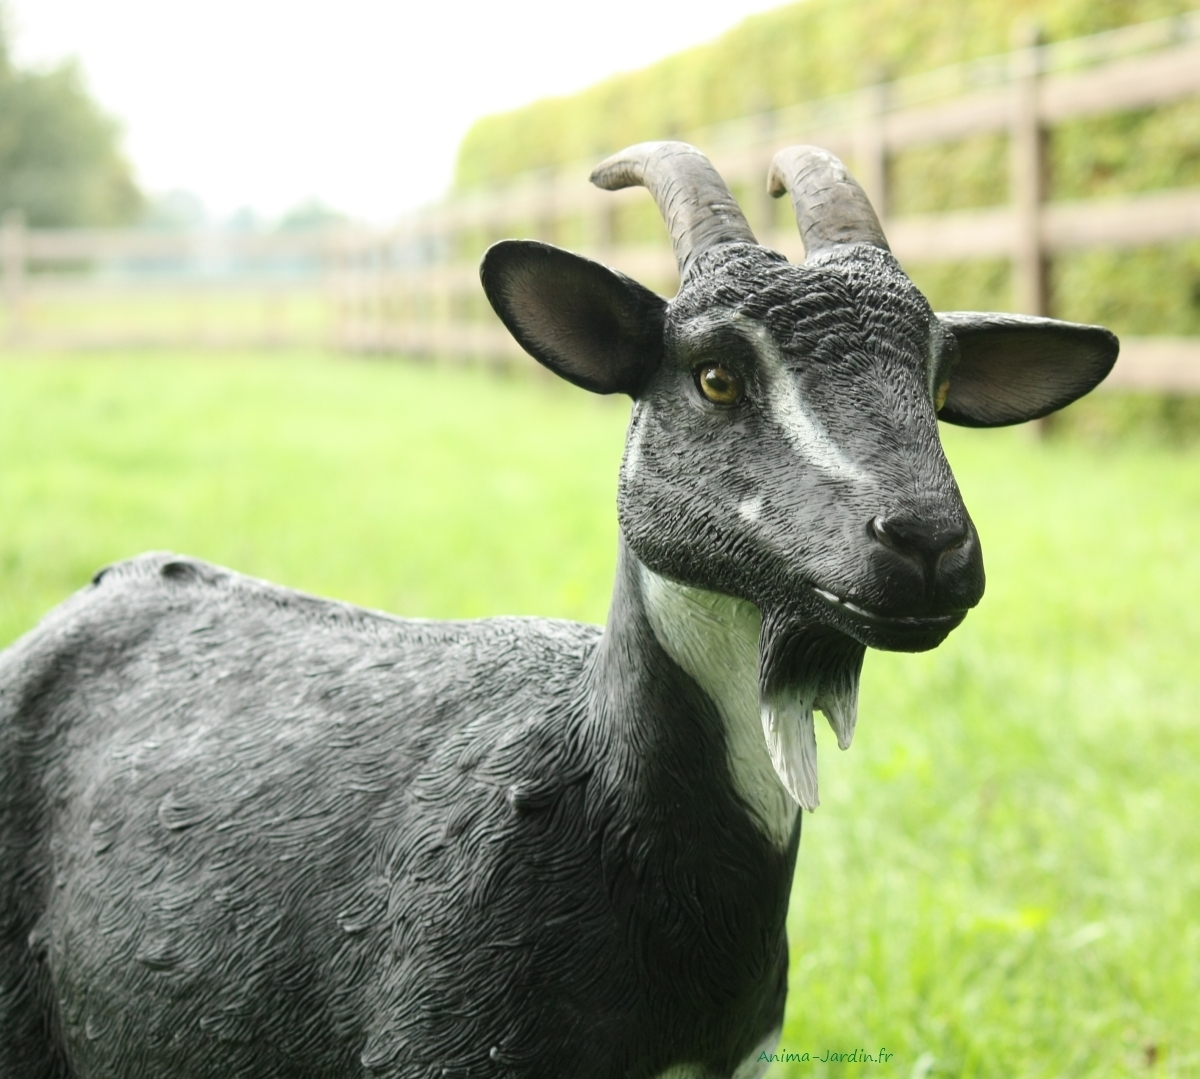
x=1013 y=368
x=591 y=325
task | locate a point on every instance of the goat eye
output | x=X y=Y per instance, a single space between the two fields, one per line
x=720 y=385
x=943 y=391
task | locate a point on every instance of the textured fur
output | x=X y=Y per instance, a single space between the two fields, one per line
x=322 y=841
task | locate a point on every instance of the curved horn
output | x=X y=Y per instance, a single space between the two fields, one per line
x=831 y=209
x=693 y=199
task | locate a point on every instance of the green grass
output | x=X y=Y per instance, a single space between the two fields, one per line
x=1004 y=876
x=417 y=490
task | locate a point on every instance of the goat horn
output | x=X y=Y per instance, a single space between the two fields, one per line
x=831 y=209
x=699 y=210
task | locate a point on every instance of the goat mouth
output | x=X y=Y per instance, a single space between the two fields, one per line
x=894 y=633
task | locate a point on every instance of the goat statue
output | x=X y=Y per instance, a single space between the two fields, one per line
x=247 y=832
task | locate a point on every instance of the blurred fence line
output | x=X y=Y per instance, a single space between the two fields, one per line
x=414 y=289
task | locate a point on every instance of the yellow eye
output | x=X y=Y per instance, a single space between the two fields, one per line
x=720 y=385
x=943 y=391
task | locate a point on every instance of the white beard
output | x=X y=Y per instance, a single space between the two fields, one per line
x=770 y=738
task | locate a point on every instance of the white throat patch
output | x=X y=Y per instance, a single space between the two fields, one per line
x=714 y=638
x=753 y=1066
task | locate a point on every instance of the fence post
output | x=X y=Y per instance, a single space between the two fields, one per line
x=342 y=283
x=546 y=210
x=762 y=205
x=449 y=240
x=603 y=227
x=870 y=148
x=1027 y=144
x=12 y=256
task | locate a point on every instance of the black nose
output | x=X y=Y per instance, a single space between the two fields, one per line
x=925 y=540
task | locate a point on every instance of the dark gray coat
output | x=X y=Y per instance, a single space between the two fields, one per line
x=301 y=839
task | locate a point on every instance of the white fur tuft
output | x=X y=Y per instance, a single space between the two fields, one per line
x=787 y=722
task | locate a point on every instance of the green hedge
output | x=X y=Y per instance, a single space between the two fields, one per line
x=822 y=47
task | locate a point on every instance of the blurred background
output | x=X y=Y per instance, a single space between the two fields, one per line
x=241 y=319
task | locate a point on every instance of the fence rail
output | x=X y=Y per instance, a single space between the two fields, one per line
x=414 y=288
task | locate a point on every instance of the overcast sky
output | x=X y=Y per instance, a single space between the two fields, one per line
x=360 y=103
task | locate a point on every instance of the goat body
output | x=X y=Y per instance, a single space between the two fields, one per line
x=249 y=826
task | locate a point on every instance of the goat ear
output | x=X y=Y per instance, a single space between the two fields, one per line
x=1013 y=368
x=591 y=325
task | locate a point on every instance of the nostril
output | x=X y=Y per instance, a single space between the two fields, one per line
x=878 y=528
x=956 y=539
x=908 y=537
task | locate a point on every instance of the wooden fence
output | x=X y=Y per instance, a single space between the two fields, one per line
x=414 y=288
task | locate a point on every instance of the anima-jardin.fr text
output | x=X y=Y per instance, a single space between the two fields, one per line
x=827 y=1056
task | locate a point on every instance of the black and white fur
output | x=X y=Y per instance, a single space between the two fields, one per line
x=246 y=832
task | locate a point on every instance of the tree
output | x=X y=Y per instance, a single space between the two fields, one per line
x=60 y=158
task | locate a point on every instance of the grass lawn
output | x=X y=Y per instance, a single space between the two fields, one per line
x=1004 y=876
